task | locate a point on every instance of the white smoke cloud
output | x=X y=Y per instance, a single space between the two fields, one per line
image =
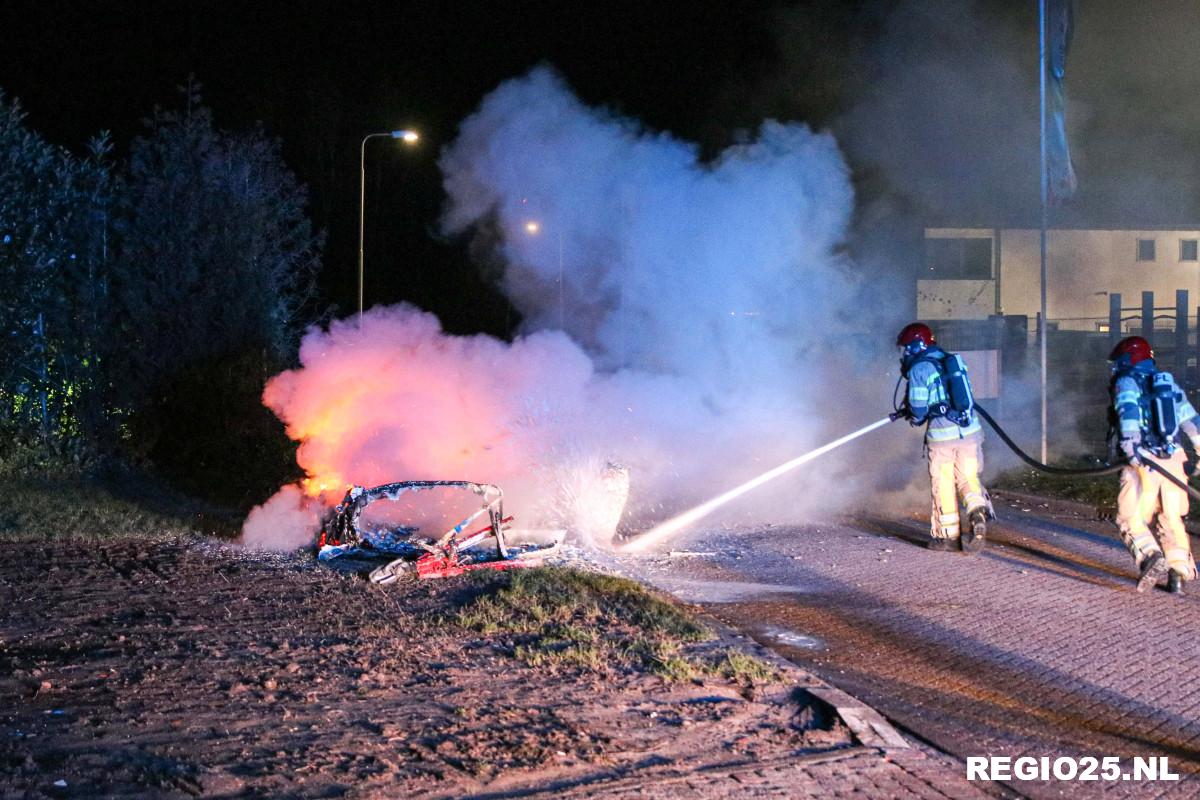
x=287 y=521
x=699 y=305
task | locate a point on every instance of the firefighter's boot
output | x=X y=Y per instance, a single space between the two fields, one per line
x=1153 y=568
x=942 y=544
x=1175 y=583
x=975 y=535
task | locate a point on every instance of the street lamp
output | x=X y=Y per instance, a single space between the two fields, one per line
x=406 y=136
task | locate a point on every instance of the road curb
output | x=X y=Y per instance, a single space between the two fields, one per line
x=865 y=722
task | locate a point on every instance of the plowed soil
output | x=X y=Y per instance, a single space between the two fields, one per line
x=185 y=668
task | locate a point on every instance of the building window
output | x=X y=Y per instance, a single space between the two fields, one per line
x=1145 y=249
x=1188 y=250
x=959 y=259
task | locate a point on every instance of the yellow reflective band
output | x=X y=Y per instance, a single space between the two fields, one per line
x=951 y=432
x=1145 y=542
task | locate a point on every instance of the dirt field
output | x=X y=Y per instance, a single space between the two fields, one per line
x=186 y=668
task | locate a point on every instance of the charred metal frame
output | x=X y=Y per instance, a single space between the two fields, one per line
x=342 y=528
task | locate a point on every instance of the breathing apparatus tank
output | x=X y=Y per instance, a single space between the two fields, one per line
x=958 y=388
x=952 y=375
x=1162 y=406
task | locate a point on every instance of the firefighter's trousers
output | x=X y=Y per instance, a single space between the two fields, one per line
x=1146 y=495
x=954 y=468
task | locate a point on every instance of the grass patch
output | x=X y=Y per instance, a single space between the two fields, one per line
x=565 y=617
x=1100 y=490
x=664 y=657
x=744 y=668
x=74 y=508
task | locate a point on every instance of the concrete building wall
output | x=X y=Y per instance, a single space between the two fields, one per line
x=959 y=299
x=1083 y=267
x=956 y=299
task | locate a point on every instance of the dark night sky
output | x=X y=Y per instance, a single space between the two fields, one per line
x=933 y=101
x=321 y=74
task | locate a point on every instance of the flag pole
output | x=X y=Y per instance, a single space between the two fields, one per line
x=1044 y=178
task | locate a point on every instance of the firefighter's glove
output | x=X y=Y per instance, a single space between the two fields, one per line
x=1129 y=449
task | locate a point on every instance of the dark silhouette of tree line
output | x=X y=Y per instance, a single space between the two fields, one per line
x=144 y=300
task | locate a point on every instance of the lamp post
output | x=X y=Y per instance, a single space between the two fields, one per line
x=406 y=136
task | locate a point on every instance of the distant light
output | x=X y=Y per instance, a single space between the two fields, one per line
x=532 y=227
x=407 y=136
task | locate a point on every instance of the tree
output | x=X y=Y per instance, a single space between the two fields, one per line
x=49 y=315
x=145 y=305
x=217 y=255
x=217 y=260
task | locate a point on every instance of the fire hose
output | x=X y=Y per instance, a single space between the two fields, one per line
x=901 y=410
x=1104 y=470
x=1031 y=461
x=1161 y=470
x=673 y=525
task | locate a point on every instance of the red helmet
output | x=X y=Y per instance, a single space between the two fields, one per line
x=913 y=332
x=1137 y=348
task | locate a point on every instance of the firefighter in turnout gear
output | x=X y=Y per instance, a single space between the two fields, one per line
x=939 y=397
x=1151 y=414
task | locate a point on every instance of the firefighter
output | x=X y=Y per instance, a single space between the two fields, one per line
x=1151 y=413
x=953 y=441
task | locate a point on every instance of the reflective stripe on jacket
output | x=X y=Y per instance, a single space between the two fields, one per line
x=927 y=390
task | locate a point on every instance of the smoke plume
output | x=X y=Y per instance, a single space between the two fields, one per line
x=680 y=319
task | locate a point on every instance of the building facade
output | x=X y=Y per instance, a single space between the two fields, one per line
x=974 y=273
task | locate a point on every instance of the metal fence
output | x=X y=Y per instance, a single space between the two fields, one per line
x=1169 y=329
x=1077 y=363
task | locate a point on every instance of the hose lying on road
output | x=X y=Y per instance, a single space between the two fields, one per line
x=1031 y=461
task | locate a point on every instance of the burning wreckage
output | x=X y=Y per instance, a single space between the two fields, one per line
x=494 y=545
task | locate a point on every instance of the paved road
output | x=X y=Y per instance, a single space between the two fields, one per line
x=1038 y=647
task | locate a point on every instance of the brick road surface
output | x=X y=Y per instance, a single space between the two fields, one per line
x=903 y=775
x=1037 y=647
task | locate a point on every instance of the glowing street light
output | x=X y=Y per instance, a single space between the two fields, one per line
x=409 y=137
